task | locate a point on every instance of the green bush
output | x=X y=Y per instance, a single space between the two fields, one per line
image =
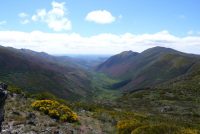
x=189 y=131
x=43 y=96
x=14 y=89
x=162 y=129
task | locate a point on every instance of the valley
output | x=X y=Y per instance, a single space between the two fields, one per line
x=152 y=92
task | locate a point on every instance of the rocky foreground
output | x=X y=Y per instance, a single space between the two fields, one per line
x=3 y=96
x=20 y=118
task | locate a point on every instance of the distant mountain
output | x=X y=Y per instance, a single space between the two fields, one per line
x=39 y=72
x=88 y=62
x=114 y=65
x=149 y=68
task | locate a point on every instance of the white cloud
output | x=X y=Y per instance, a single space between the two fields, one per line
x=100 y=16
x=40 y=14
x=56 y=18
x=23 y=15
x=61 y=43
x=3 y=22
x=24 y=18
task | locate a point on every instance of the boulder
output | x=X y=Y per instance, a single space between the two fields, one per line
x=3 y=96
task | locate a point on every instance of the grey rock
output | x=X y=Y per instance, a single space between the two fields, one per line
x=31 y=119
x=166 y=109
x=3 y=96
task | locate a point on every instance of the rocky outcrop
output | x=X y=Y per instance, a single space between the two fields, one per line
x=3 y=96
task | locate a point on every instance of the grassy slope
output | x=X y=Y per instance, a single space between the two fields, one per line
x=173 y=110
x=170 y=110
x=102 y=86
x=161 y=69
x=172 y=107
x=149 y=68
x=40 y=72
x=176 y=102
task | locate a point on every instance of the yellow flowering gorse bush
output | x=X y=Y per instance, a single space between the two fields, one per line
x=55 y=110
x=126 y=126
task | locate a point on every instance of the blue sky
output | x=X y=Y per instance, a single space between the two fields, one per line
x=89 y=18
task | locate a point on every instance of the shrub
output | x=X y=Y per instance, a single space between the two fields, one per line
x=189 y=131
x=126 y=126
x=14 y=89
x=55 y=110
x=43 y=96
x=162 y=129
x=153 y=129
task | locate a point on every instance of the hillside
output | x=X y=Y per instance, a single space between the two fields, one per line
x=39 y=73
x=167 y=103
x=149 y=68
x=115 y=65
x=149 y=111
x=21 y=118
x=175 y=101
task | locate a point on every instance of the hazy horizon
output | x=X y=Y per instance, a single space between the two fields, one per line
x=84 y=55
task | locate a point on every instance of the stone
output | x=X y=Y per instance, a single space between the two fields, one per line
x=166 y=109
x=3 y=96
x=31 y=119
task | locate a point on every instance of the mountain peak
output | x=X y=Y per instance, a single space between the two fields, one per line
x=159 y=48
x=143 y=68
x=128 y=53
x=118 y=59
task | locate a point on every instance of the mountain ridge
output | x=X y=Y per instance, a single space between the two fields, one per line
x=40 y=72
x=149 y=68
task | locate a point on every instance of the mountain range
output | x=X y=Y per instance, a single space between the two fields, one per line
x=71 y=78
x=40 y=72
x=155 y=91
x=149 y=68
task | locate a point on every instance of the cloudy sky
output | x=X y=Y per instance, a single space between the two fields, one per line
x=100 y=26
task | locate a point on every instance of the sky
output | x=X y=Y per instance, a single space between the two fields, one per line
x=100 y=26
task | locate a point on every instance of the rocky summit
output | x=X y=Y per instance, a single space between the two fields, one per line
x=3 y=96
